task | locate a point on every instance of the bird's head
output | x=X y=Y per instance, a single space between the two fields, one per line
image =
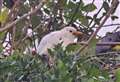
x=71 y=31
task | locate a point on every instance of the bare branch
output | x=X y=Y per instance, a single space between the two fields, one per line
x=75 y=12
x=100 y=26
x=117 y=24
x=101 y=43
x=96 y=16
x=22 y=40
x=108 y=43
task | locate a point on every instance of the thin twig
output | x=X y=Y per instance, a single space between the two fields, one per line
x=22 y=17
x=108 y=53
x=20 y=41
x=74 y=14
x=88 y=12
x=96 y=15
x=13 y=37
x=100 y=26
x=110 y=25
x=101 y=43
x=17 y=3
x=116 y=29
x=94 y=58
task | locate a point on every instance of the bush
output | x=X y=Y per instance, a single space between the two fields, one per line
x=67 y=68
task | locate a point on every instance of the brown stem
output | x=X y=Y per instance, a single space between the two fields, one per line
x=101 y=43
x=117 y=24
x=22 y=17
x=13 y=37
x=100 y=26
x=22 y=40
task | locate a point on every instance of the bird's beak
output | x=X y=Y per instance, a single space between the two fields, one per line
x=77 y=33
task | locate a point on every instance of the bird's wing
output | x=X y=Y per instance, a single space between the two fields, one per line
x=48 y=42
x=66 y=42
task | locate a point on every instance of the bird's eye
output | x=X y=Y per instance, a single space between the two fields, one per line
x=60 y=38
x=70 y=30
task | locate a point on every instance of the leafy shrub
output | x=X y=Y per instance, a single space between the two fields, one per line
x=67 y=68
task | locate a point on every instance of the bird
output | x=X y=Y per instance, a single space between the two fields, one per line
x=66 y=35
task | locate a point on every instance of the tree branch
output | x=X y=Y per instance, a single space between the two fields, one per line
x=101 y=43
x=100 y=26
x=75 y=12
x=117 y=24
x=22 y=40
x=9 y=25
x=96 y=16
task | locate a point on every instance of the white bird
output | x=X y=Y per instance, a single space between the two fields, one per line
x=67 y=35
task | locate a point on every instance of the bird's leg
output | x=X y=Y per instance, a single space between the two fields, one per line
x=45 y=58
x=48 y=60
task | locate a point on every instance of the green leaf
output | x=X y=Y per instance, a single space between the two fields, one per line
x=35 y=20
x=92 y=46
x=4 y=15
x=2 y=35
x=61 y=65
x=71 y=5
x=50 y=51
x=105 y=74
x=90 y=80
x=114 y=17
x=89 y=17
x=46 y=11
x=89 y=7
x=81 y=4
x=106 y=6
x=83 y=20
x=72 y=47
x=117 y=75
x=97 y=21
x=63 y=3
x=94 y=71
x=104 y=13
x=23 y=9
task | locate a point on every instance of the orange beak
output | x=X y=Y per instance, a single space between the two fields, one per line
x=77 y=33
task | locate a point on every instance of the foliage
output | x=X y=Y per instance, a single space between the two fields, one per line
x=52 y=15
x=117 y=73
x=22 y=68
x=3 y=15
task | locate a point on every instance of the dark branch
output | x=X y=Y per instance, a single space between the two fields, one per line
x=101 y=43
x=22 y=17
x=100 y=26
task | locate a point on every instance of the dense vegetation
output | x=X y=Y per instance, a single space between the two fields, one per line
x=77 y=63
